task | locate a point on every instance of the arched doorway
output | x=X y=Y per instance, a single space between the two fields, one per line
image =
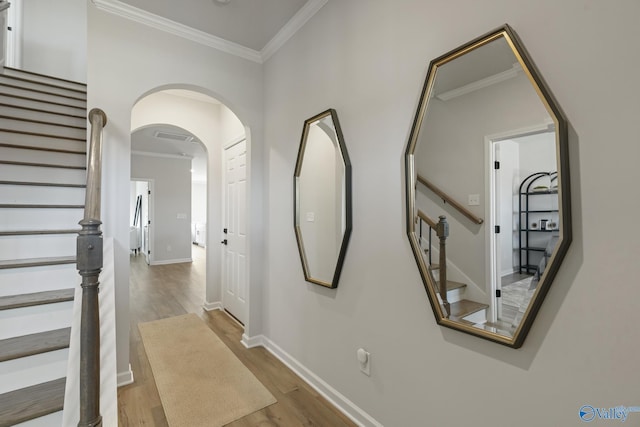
x=173 y=118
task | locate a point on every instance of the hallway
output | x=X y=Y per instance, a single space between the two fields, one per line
x=169 y=290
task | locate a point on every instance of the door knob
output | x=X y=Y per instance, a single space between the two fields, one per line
x=224 y=242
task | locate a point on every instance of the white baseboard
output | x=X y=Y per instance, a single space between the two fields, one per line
x=211 y=306
x=125 y=378
x=172 y=261
x=251 y=342
x=343 y=404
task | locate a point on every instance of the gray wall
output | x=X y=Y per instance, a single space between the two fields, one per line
x=55 y=38
x=171 y=199
x=368 y=60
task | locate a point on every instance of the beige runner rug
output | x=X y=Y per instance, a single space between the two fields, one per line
x=200 y=381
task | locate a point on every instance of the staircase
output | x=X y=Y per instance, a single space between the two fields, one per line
x=42 y=182
x=462 y=309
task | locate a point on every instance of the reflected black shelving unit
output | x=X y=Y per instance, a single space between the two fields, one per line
x=538 y=218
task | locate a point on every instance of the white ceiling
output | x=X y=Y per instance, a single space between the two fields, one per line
x=144 y=141
x=249 y=23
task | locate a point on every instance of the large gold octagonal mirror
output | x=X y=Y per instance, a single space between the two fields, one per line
x=322 y=184
x=487 y=174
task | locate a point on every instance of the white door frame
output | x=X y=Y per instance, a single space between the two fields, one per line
x=492 y=257
x=149 y=257
x=14 y=37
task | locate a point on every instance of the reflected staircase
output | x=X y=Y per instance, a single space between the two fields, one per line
x=42 y=186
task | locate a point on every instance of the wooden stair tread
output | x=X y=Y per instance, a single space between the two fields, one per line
x=52 y=150
x=36 y=262
x=27 y=98
x=44 y=92
x=47 y=135
x=36 y=298
x=42 y=122
x=31 y=402
x=28 y=345
x=20 y=71
x=41 y=165
x=40 y=110
x=34 y=206
x=25 y=80
x=37 y=232
x=451 y=286
x=42 y=184
x=466 y=307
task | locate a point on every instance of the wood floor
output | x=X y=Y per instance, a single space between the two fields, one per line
x=168 y=290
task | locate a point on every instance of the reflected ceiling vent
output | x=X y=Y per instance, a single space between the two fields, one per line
x=176 y=137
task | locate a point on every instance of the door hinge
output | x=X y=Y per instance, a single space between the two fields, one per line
x=148 y=252
x=496 y=165
x=497 y=229
x=498 y=293
x=149 y=192
x=149 y=222
x=225 y=231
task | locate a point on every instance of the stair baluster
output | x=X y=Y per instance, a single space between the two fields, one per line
x=442 y=230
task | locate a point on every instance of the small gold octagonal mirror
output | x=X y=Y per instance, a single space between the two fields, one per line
x=322 y=205
x=487 y=174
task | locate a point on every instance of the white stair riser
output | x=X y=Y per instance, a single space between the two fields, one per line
x=479 y=317
x=54 y=419
x=16 y=281
x=32 y=320
x=37 y=246
x=43 y=79
x=453 y=295
x=26 y=219
x=34 y=194
x=42 y=174
x=28 y=83
x=39 y=156
x=42 y=96
x=42 y=141
x=21 y=126
x=27 y=371
x=41 y=116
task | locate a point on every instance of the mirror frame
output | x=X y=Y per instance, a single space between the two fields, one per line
x=564 y=197
x=347 y=199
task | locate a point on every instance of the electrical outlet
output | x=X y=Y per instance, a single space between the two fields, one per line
x=474 y=199
x=364 y=359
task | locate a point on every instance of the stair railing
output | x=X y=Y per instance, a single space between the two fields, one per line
x=448 y=199
x=442 y=231
x=89 y=264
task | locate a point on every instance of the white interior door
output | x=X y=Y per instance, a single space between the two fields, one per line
x=14 y=35
x=234 y=263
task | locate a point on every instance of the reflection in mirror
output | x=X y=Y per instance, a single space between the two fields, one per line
x=322 y=181
x=488 y=212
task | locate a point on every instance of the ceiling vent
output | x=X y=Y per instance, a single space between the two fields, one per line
x=176 y=137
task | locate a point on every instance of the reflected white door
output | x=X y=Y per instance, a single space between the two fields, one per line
x=234 y=263
x=146 y=222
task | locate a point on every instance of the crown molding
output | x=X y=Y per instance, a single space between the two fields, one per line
x=310 y=8
x=149 y=19
x=163 y=24
x=481 y=84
